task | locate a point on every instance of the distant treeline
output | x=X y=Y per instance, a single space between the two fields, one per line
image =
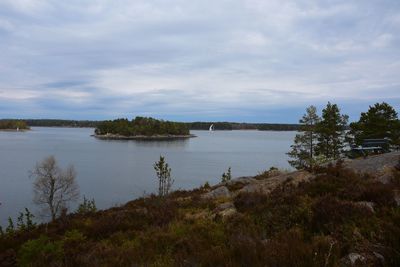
x=191 y=125
x=62 y=123
x=243 y=126
x=13 y=125
x=141 y=126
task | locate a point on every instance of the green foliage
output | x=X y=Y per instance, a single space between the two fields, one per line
x=10 y=227
x=40 y=252
x=331 y=132
x=29 y=219
x=13 y=125
x=303 y=149
x=226 y=176
x=380 y=121
x=319 y=139
x=141 y=126
x=87 y=206
x=25 y=221
x=206 y=185
x=163 y=172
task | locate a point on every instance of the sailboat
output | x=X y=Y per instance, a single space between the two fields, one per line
x=211 y=128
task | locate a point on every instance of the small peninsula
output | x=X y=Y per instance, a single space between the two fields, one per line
x=142 y=128
x=13 y=125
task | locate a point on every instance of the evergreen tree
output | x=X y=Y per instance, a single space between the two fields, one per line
x=380 y=121
x=163 y=172
x=303 y=149
x=331 y=132
x=226 y=176
x=10 y=228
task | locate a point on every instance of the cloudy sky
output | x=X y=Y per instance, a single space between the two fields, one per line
x=236 y=60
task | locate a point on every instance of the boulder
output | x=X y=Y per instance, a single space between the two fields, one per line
x=380 y=166
x=397 y=198
x=224 y=206
x=265 y=186
x=227 y=213
x=219 y=192
x=379 y=257
x=367 y=204
x=353 y=258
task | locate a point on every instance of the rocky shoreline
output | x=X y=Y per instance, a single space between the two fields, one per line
x=142 y=137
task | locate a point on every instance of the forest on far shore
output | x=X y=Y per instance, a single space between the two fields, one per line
x=198 y=125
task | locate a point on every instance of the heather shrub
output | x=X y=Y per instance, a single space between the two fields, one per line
x=41 y=252
x=330 y=212
x=291 y=248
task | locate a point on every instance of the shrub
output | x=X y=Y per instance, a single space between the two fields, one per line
x=74 y=245
x=40 y=252
x=87 y=206
x=290 y=248
x=330 y=212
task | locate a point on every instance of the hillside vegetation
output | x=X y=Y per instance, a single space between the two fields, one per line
x=339 y=215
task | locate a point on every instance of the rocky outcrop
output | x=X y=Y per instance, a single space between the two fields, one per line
x=219 y=192
x=353 y=258
x=225 y=210
x=380 y=166
x=367 y=204
x=267 y=185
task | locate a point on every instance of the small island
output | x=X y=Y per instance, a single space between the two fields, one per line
x=13 y=125
x=142 y=128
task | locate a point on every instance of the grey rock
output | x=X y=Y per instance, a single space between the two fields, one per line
x=227 y=213
x=354 y=257
x=219 y=192
x=379 y=166
x=242 y=180
x=367 y=204
x=224 y=206
x=379 y=256
x=397 y=198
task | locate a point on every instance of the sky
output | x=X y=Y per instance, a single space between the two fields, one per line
x=219 y=60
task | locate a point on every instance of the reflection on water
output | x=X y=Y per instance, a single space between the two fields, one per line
x=115 y=171
x=176 y=143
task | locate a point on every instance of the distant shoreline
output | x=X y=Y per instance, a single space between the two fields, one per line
x=142 y=137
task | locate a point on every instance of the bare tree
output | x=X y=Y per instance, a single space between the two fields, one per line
x=54 y=187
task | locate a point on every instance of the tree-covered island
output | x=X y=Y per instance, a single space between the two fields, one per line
x=142 y=128
x=13 y=125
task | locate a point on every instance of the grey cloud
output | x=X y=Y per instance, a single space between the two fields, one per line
x=195 y=57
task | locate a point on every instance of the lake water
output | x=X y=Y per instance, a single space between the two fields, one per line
x=114 y=172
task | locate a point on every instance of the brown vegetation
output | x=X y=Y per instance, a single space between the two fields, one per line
x=323 y=222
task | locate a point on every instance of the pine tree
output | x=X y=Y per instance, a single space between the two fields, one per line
x=380 y=121
x=303 y=149
x=163 y=172
x=331 y=132
x=226 y=176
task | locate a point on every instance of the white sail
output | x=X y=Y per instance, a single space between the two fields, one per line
x=211 y=127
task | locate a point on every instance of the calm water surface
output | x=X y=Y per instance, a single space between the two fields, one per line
x=114 y=172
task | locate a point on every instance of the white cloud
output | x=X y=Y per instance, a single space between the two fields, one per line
x=189 y=55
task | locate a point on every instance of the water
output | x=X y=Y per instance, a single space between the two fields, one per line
x=114 y=172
